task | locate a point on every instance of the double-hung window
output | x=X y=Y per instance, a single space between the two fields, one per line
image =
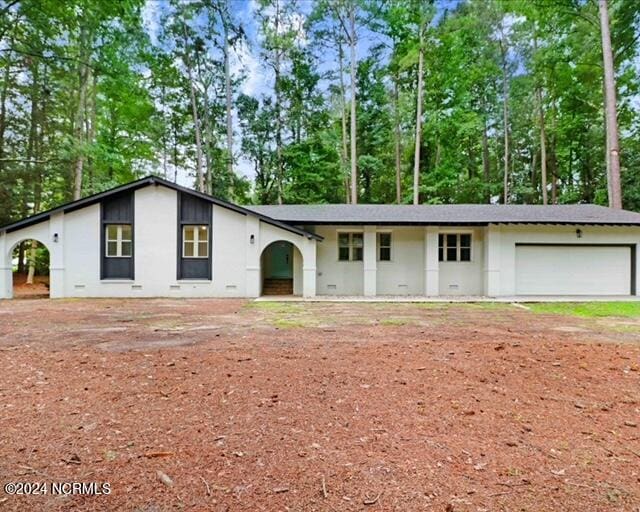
x=384 y=246
x=195 y=241
x=350 y=246
x=454 y=247
x=119 y=240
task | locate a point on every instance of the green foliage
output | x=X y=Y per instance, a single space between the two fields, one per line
x=589 y=309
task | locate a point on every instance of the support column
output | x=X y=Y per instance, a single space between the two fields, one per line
x=56 y=256
x=309 y=268
x=431 y=263
x=492 y=261
x=253 y=275
x=6 y=279
x=370 y=261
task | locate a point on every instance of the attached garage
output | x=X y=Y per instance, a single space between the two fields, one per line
x=564 y=269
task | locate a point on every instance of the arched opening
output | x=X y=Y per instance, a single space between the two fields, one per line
x=30 y=262
x=281 y=269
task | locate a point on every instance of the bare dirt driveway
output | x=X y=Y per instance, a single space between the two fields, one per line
x=234 y=405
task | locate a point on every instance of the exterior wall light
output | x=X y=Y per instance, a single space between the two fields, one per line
x=579 y=233
x=55 y=238
x=252 y=239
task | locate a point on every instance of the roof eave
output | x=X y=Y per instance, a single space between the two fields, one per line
x=143 y=182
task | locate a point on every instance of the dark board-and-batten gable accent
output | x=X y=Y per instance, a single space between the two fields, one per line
x=117 y=209
x=196 y=211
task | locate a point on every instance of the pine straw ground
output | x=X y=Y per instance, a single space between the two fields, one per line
x=232 y=405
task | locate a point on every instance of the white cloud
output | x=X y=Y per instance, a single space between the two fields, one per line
x=244 y=61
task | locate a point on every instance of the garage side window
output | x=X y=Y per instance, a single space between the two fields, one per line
x=119 y=240
x=384 y=246
x=350 y=246
x=454 y=247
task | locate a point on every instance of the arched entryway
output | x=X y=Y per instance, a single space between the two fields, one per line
x=281 y=269
x=30 y=261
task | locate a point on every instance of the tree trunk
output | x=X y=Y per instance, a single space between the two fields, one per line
x=505 y=101
x=613 y=154
x=354 y=163
x=32 y=261
x=543 y=148
x=278 y=92
x=416 y=158
x=175 y=151
x=79 y=119
x=343 y=112
x=486 y=164
x=534 y=163
x=32 y=155
x=91 y=121
x=543 y=136
x=3 y=106
x=21 y=253
x=194 y=110
x=164 y=134
x=229 y=106
x=398 y=147
x=207 y=142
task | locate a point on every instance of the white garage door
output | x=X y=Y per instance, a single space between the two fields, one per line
x=573 y=270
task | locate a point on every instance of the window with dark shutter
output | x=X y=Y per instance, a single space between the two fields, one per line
x=194 y=238
x=117 y=237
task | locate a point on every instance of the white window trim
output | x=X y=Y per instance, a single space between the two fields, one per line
x=351 y=247
x=118 y=241
x=378 y=246
x=458 y=245
x=196 y=241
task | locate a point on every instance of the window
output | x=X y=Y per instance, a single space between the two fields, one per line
x=350 y=246
x=118 y=240
x=384 y=246
x=454 y=247
x=195 y=242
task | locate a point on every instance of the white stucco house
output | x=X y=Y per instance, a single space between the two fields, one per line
x=153 y=238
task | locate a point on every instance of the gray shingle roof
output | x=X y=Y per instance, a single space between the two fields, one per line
x=448 y=214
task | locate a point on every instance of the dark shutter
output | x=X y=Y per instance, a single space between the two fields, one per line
x=197 y=212
x=118 y=209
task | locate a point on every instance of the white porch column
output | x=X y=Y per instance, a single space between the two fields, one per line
x=370 y=261
x=55 y=244
x=431 y=263
x=492 y=261
x=253 y=278
x=309 y=268
x=5 y=269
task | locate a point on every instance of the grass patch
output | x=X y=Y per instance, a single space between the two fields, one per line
x=625 y=329
x=292 y=323
x=589 y=309
x=281 y=308
x=433 y=305
x=491 y=306
x=392 y=321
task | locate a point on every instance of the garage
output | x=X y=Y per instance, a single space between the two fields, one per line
x=575 y=269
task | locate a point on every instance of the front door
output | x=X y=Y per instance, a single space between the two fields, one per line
x=281 y=261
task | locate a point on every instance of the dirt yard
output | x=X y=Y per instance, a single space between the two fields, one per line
x=232 y=405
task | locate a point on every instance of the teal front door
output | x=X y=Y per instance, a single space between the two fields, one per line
x=281 y=257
